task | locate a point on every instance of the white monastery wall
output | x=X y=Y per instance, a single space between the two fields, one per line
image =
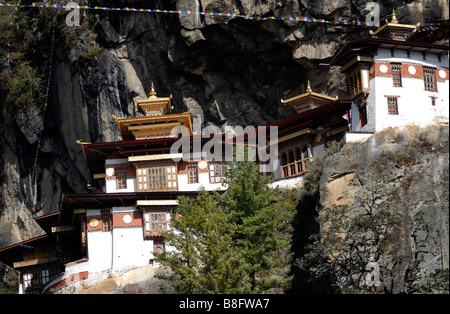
x=414 y=102
x=129 y=249
x=183 y=185
x=112 y=188
x=99 y=250
x=203 y=182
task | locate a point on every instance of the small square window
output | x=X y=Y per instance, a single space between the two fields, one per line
x=192 y=173
x=362 y=116
x=121 y=183
x=397 y=74
x=392 y=105
x=433 y=101
x=215 y=173
x=429 y=78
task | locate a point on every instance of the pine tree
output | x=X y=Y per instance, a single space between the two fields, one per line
x=258 y=216
x=233 y=242
x=204 y=260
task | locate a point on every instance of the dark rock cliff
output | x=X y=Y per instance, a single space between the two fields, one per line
x=229 y=71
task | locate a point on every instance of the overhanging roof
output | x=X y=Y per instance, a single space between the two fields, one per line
x=97 y=153
x=13 y=253
x=155 y=157
x=151 y=121
x=157 y=203
x=368 y=46
x=313 y=117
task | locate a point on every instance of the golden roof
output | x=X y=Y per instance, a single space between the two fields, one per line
x=309 y=97
x=393 y=24
x=156 y=123
x=153 y=105
x=128 y=125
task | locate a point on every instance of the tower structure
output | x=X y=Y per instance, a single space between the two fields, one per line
x=397 y=76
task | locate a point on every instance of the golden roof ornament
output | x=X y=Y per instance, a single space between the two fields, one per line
x=81 y=142
x=394 y=18
x=153 y=92
x=308 y=100
x=393 y=29
x=308 y=88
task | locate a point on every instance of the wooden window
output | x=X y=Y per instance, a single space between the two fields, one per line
x=158 y=222
x=362 y=116
x=155 y=223
x=45 y=276
x=284 y=165
x=294 y=162
x=158 y=247
x=433 y=101
x=106 y=223
x=157 y=178
x=215 y=172
x=27 y=280
x=121 y=183
x=192 y=170
x=298 y=160
x=429 y=78
x=392 y=105
x=121 y=177
x=355 y=82
x=397 y=74
x=34 y=280
x=292 y=170
x=305 y=159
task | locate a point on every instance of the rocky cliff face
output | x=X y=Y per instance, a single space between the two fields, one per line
x=416 y=161
x=229 y=71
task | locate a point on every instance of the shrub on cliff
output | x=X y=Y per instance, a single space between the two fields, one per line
x=26 y=87
x=351 y=238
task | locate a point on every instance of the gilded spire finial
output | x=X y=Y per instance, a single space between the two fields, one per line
x=394 y=18
x=308 y=88
x=153 y=93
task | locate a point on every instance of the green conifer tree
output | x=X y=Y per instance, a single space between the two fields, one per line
x=235 y=242
x=258 y=215
x=204 y=260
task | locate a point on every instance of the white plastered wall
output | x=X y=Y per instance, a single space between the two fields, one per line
x=414 y=102
x=203 y=182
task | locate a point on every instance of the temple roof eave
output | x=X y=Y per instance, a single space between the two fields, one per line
x=304 y=95
x=393 y=25
x=367 y=46
x=124 y=123
x=149 y=118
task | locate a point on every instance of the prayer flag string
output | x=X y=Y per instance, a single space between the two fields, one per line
x=232 y=15
x=22 y=245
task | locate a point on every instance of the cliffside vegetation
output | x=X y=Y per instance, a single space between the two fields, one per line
x=382 y=215
x=4 y=289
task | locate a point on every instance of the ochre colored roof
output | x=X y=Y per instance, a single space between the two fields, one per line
x=393 y=24
x=309 y=97
x=126 y=123
x=153 y=103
